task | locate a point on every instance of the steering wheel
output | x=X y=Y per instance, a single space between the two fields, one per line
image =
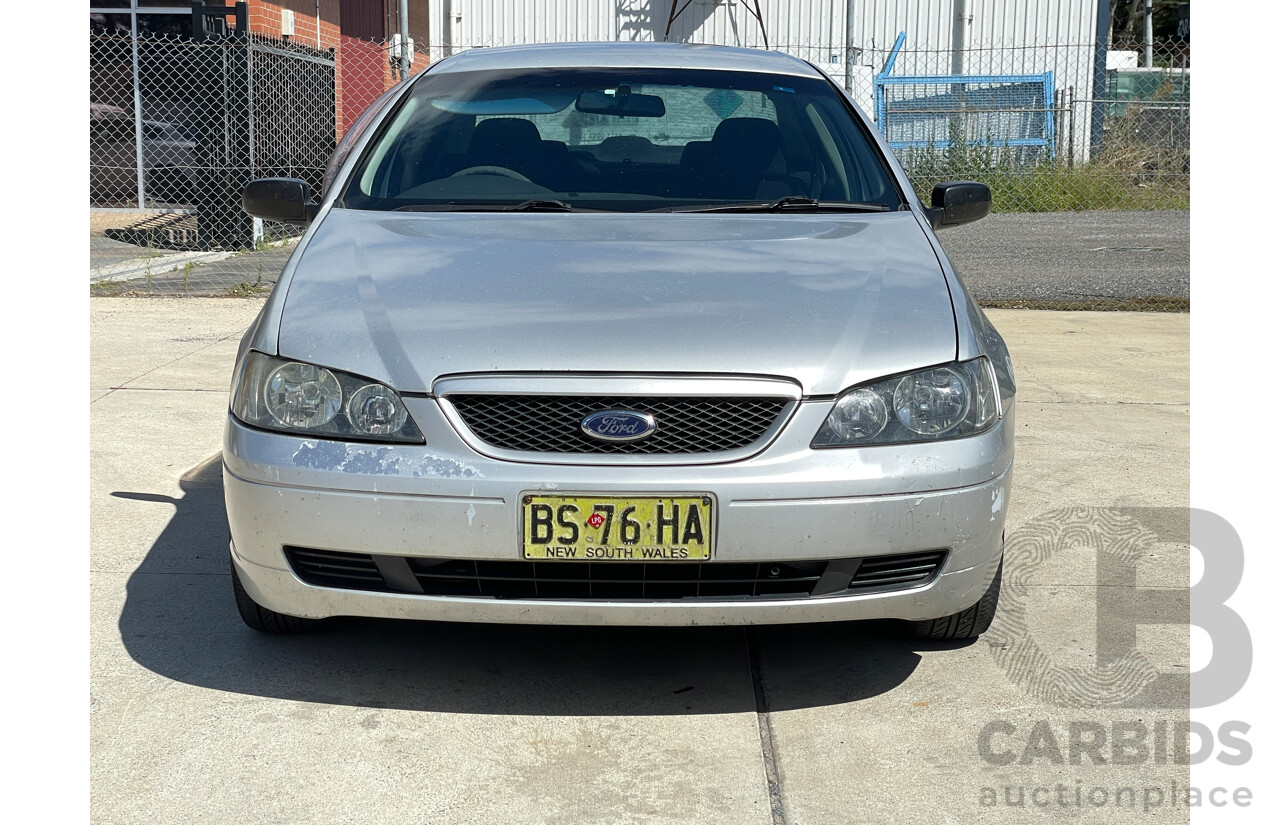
x=501 y=171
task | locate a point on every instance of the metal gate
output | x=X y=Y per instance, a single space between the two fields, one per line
x=178 y=126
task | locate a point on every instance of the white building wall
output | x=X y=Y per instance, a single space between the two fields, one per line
x=1006 y=36
x=802 y=24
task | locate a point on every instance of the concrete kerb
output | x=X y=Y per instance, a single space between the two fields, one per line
x=158 y=265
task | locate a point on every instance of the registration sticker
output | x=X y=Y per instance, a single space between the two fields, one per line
x=618 y=528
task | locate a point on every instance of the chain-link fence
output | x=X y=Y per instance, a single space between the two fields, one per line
x=1049 y=128
x=177 y=127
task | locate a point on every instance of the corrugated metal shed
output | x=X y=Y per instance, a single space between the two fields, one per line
x=817 y=25
x=1006 y=37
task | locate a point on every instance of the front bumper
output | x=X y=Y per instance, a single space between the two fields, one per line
x=788 y=503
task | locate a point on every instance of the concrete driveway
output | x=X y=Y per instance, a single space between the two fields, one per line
x=195 y=718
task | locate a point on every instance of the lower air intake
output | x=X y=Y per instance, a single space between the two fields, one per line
x=615 y=581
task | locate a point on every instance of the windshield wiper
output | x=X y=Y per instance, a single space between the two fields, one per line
x=791 y=203
x=535 y=205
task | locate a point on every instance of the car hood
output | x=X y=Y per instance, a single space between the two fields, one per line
x=828 y=300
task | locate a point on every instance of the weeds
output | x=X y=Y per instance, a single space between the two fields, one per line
x=1131 y=172
x=244 y=289
x=1155 y=303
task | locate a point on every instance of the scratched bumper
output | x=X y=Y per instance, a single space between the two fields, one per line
x=788 y=503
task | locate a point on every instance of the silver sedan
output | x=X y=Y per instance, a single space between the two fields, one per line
x=619 y=334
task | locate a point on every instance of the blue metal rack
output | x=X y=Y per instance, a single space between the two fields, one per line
x=1012 y=110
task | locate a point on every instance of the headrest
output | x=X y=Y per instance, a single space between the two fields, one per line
x=505 y=133
x=749 y=142
x=749 y=131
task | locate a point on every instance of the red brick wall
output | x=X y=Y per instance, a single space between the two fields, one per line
x=366 y=75
x=264 y=17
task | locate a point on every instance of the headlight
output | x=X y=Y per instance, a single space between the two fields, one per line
x=376 y=410
x=860 y=415
x=932 y=402
x=289 y=396
x=951 y=401
x=300 y=396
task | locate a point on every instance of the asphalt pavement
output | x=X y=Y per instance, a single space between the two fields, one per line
x=194 y=718
x=1074 y=256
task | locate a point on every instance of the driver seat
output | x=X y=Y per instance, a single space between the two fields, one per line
x=510 y=142
x=515 y=143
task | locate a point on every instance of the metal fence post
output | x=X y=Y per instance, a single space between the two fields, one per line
x=137 y=116
x=1071 y=127
x=242 y=19
x=198 y=33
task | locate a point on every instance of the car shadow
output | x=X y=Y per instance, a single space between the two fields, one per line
x=179 y=621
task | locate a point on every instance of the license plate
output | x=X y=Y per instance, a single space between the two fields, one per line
x=618 y=528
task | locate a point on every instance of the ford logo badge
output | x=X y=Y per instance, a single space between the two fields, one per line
x=619 y=425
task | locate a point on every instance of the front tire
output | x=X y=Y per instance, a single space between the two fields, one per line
x=262 y=619
x=967 y=624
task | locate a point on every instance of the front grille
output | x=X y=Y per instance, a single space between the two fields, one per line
x=552 y=423
x=615 y=581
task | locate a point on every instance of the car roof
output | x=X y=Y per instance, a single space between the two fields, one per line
x=626 y=55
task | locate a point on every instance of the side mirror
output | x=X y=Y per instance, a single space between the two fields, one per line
x=287 y=200
x=958 y=202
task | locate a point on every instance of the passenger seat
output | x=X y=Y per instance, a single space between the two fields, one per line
x=733 y=165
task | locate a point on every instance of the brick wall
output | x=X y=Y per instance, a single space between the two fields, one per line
x=264 y=17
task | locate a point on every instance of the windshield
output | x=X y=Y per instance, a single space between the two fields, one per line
x=618 y=139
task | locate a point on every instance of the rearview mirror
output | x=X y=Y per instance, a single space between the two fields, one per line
x=620 y=102
x=959 y=202
x=287 y=200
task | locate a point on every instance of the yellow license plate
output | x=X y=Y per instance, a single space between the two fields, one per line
x=618 y=528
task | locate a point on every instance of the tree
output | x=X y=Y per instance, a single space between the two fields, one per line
x=1126 y=19
x=1123 y=18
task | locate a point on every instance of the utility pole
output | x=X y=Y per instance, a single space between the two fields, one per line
x=848 y=45
x=960 y=35
x=1146 y=32
x=959 y=45
x=403 y=13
